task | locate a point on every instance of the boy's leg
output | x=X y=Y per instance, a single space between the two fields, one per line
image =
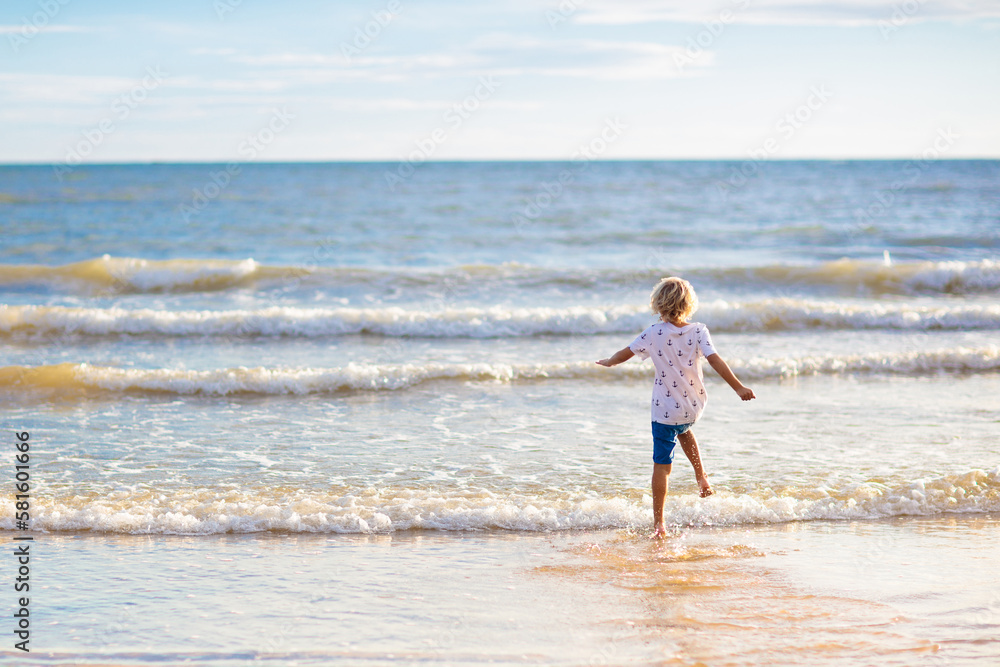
x=661 y=475
x=690 y=447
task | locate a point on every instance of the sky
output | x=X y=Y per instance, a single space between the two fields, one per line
x=234 y=80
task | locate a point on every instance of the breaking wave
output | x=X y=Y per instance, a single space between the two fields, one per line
x=69 y=379
x=382 y=510
x=491 y=322
x=131 y=275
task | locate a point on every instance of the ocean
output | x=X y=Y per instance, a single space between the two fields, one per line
x=314 y=413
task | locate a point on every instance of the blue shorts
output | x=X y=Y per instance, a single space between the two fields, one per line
x=665 y=439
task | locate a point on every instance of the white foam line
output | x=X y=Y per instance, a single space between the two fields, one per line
x=494 y=322
x=206 y=511
x=136 y=274
x=376 y=377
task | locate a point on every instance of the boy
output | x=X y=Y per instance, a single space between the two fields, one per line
x=678 y=393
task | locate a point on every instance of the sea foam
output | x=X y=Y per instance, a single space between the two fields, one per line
x=490 y=322
x=130 y=274
x=383 y=510
x=85 y=379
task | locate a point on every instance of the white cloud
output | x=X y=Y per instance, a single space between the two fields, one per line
x=265 y=84
x=204 y=51
x=31 y=29
x=782 y=12
x=405 y=104
x=63 y=88
x=497 y=55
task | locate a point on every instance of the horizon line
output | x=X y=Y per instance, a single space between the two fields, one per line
x=125 y=163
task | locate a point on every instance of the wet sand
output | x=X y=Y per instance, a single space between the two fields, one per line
x=903 y=591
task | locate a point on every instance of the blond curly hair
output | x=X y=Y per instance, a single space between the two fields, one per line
x=673 y=299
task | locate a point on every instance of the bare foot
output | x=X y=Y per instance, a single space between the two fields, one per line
x=706 y=488
x=660 y=532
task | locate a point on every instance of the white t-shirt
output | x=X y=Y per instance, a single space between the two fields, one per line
x=678 y=391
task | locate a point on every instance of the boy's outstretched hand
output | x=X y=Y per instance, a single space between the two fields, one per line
x=618 y=357
x=745 y=393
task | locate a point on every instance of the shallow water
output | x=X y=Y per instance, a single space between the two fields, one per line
x=320 y=421
x=905 y=591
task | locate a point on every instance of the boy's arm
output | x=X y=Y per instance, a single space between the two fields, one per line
x=722 y=368
x=618 y=357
